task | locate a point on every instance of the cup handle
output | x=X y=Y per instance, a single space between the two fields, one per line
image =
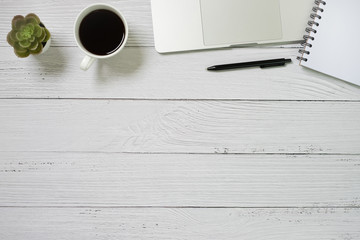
x=86 y=63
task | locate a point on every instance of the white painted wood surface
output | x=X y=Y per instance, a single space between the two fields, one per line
x=59 y=17
x=143 y=73
x=175 y=223
x=55 y=179
x=140 y=72
x=143 y=126
x=150 y=146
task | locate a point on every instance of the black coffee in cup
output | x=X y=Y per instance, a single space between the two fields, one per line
x=102 y=32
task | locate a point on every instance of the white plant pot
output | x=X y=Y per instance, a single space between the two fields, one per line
x=47 y=44
x=46 y=47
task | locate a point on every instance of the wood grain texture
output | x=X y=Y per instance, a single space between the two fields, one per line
x=167 y=180
x=140 y=72
x=59 y=18
x=150 y=146
x=180 y=126
x=175 y=224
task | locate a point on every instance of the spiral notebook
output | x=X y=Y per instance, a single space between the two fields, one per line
x=333 y=40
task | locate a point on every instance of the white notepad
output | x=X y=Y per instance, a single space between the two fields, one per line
x=334 y=48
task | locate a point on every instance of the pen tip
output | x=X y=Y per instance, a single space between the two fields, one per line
x=211 y=68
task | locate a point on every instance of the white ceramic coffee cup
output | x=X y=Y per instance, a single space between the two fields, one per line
x=90 y=57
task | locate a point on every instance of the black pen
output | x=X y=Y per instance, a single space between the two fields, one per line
x=261 y=64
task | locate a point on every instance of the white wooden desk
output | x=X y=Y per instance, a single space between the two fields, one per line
x=150 y=146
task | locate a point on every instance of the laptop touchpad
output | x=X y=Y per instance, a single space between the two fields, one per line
x=240 y=21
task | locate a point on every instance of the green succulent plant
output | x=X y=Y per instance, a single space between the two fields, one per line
x=28 y=35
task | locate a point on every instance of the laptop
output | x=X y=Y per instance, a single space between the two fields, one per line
x=182 y=25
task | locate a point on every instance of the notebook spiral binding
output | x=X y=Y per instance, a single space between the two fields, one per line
x=318 y=9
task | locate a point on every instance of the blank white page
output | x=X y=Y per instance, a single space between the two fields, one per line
x=336 y=48
x=240 y=21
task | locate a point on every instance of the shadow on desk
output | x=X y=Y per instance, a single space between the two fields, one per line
x=47 y=61
x=123 y=64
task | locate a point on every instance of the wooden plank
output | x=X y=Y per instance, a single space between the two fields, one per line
x=168 y=180
x=59 y=18
x=180 y=126
x=143 y=73
x=197 y=224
